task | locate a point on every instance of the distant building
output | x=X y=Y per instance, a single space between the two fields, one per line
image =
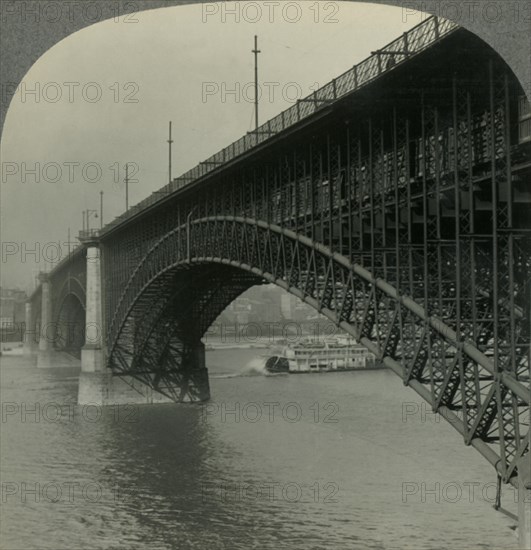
x=287 y=305
x=269 y=304
x=12 y=312
x=12 y=306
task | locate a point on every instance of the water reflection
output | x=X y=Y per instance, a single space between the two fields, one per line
x=183 y=476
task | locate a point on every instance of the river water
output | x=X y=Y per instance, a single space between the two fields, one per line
x=348 y=460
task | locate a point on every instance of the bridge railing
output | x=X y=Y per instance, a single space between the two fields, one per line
x=396 y=52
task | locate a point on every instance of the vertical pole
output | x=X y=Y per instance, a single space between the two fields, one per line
x=383 y=182
x=524 y=501
x=101 y=209
x=437 y=174
x=457 y=199
x=494 y=190
x=340 y=192
x=407 y=161
x=371 y=196
x=436 y=27
x=425 y=212
x=348 y=194
x=295 y=192
x=254 y=192
x=397 y=202
x=170 y=141
x=312 y=192
x=188 y=236
x=266 y=195
x=126 y=187
x=510 y=220
x=423 y=167
x=458 y=249
x=330 y=205
x=68 y=241
x=279 y=189
x=307 y=184
x=359 y=189
x=256 y=51
x=188 y=227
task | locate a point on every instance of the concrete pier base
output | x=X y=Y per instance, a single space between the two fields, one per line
x=201 y=382
x=30 y=340
x=524 y=502
x=92 y=359
x=102 y=388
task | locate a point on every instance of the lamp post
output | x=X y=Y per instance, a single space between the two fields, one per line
x=86 y=218
x=256 y=51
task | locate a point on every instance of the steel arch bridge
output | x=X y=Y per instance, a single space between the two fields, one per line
x=395 y=200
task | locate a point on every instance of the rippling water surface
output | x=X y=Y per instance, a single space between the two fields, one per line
x=272 y=462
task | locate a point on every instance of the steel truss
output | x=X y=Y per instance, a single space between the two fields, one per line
x=400 y=211
x=159 y=338
x=428 y=354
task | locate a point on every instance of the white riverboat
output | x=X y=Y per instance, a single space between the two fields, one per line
x=338 y=354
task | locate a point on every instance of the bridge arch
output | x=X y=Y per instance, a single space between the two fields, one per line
x=424 y=351
x=69 y=317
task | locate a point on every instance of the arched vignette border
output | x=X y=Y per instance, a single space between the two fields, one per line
x=509 y=37
x=23 y=42
x=160 y=259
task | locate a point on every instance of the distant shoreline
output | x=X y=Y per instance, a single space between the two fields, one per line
x=228 y=346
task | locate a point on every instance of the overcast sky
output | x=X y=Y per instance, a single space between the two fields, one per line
x=177 y=64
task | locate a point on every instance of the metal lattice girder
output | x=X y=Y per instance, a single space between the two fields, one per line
x=419 y=177
x=451 y=373
x=165 y=322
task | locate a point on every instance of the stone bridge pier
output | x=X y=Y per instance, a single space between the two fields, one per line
x=31 y=334
x=45 y=355
x=98 y=384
